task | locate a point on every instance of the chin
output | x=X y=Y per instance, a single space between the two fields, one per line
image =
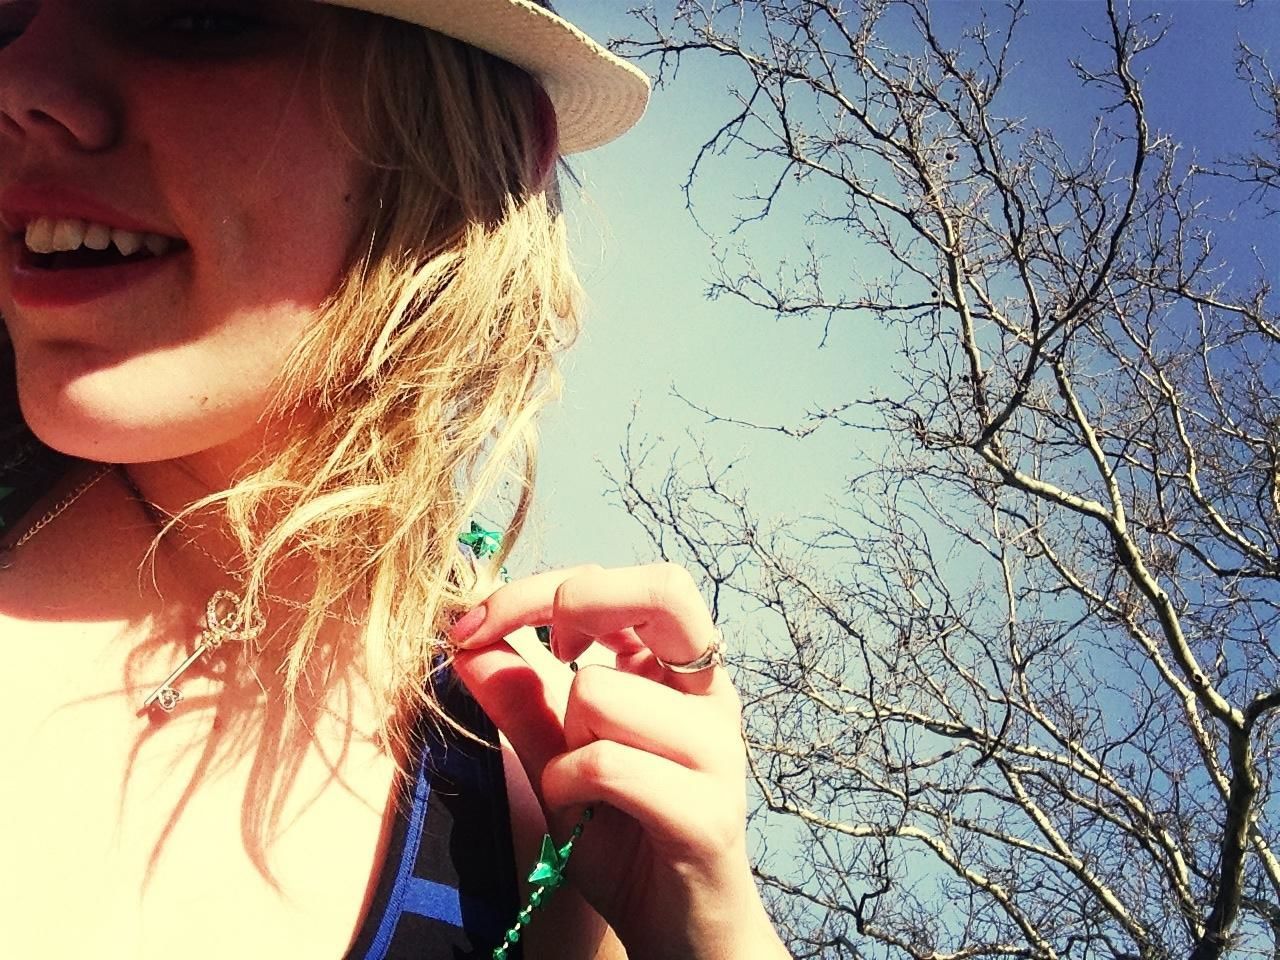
x=107 y=441
x=137 y=409
x=133 y=428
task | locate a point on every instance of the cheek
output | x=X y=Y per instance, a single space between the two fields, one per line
x=268 y=196
x=267 y=193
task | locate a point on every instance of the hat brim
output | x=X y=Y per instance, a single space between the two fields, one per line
x=597 y=95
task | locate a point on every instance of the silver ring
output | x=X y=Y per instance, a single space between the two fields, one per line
x=713 y=656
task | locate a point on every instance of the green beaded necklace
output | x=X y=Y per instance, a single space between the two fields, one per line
x=547 y=876
x=548 y=873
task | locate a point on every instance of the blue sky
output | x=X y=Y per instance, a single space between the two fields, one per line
x=645 y=264
x=650 y=328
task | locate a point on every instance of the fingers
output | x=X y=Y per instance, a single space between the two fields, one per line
x=695 y=732
x=519 y=700
x=704 y=823
x=621 y=642
x=657 y=607
x=669 y=754
x=660 y=603
x=477 y=627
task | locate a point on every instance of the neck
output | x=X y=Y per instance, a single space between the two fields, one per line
x=200 y=546
x=207 y=551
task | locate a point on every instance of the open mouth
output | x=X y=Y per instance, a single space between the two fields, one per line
x=53 y=245
x=86 y=258
x=70 y=269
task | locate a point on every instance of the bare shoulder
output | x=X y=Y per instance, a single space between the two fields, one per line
x=147 y=810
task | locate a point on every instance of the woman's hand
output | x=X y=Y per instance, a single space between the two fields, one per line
x=659 y=754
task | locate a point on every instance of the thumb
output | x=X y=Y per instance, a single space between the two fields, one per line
x=523 y=690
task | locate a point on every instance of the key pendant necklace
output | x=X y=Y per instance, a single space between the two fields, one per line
x=223 y=623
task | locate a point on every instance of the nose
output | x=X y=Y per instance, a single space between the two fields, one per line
x=51 y=96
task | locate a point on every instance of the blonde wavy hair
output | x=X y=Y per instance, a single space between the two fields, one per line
x=422 y=380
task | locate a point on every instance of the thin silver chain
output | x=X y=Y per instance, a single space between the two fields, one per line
x=65 y=504
x=61 y=507
x=159 y=513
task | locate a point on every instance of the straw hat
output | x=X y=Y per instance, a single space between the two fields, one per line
x=597 y=96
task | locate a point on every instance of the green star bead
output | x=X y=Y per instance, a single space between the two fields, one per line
x=483 y=543
x=547 y=875
x=548 y=872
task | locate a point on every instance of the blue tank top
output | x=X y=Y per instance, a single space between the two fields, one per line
x=446 y=889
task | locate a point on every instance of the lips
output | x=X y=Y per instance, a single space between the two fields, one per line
x=33 y=286
x=22 y=203
x=73 y=278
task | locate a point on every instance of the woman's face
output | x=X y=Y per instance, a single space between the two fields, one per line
x=200 y=121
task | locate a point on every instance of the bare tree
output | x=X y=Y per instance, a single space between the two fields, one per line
x=1018 y=686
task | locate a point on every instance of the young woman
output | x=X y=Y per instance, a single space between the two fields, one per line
x=283 y=284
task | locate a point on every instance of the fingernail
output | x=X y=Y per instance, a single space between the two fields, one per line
x=468 y=624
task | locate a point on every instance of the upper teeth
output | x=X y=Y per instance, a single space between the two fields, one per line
x=46 y=235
